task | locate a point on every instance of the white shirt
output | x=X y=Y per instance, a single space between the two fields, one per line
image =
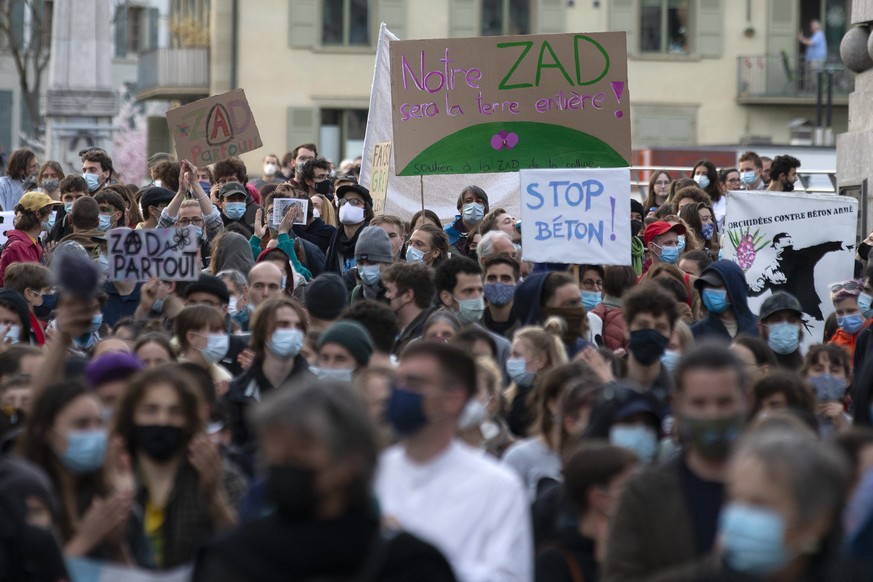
x=472 y=509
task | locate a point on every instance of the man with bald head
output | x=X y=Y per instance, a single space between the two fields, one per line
x=265 y=282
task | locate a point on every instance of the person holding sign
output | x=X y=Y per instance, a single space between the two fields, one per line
x=209 y=215
x=31 y=219
x=472 y=206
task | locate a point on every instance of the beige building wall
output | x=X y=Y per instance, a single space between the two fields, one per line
x=695 y=96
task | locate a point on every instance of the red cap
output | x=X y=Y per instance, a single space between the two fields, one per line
x=659 y=228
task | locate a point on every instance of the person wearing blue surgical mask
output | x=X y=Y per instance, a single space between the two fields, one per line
x=844 y=296
x=234 y=204
x=201 y=331
x=278 y=329
x=591 y=286
x=781 y=326
x=67 y=437
x=501 y=274
x=722 y=288
x=373 y=253
x=827 y=368
x=343 y=348
x=786 y=493
x=472 y=207
x=662 y=241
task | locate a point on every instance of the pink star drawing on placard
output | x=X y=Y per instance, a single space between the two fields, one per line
x=504 y=139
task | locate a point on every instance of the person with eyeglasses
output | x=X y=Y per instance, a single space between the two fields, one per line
x=658 y=191
x=315 y=177
x=198 y=211
x=355 y=212
x=780 y=324
x=844 y=296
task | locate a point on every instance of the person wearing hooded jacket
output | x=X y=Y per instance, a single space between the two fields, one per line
x=722 y=286
x=472 y=206
x=541 y=295
x=231 y=211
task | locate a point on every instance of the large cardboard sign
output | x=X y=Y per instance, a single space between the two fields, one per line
x=166 y=253
x=379 y=180
x=576 y=216
x=797 y=243
x=506 y=103
x=214 y=129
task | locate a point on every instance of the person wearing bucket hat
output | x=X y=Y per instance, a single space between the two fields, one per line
x=355 y=212
x=33 y=215
x=373 y=253
x=343 y=349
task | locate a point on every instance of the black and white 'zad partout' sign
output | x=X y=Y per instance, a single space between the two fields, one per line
x=140 y=255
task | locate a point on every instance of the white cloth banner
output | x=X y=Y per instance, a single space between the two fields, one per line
x=405 y=192
x=797 y=243
x=576 y=216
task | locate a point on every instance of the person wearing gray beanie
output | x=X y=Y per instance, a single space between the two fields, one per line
x=372 y=252
x=343 y=348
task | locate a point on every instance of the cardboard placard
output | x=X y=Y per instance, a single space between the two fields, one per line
x=214 y=129
x=169 y=254
x=506 y=103
x=6 y=219
x=797 y=243
x=379 y=177
x=576 y=216
x=281 y=205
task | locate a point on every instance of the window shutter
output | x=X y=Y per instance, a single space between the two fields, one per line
x=6 y=117
x=300 y=126
x=305 y=23
x=153 y=17
x=121 y=31
x=18 y=7
x=550 y=17
x=623 y=16
x=463 y=18
x=393 y=14
x=657 y=125
x=709 y=25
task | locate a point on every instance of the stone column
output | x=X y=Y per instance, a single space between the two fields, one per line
x=80 y=100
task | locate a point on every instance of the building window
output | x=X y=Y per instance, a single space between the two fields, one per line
x=664 y=26
x=341 y=134
x=505 y=17
x=345 y=23
x=135 y=16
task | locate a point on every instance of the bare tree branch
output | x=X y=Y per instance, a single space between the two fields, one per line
x=31 y=53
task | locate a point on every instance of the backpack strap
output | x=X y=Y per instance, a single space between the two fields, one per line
x=572 y=565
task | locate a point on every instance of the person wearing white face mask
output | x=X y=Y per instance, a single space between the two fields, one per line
x=271 y=172
x=278 y=329
x=355 y=211
x=472 y=208
x=372 y=255
x=343 y=348
x=202 y=336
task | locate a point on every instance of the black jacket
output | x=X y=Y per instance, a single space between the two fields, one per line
x=349 y=547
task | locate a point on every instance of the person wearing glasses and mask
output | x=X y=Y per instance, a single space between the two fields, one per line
x=355 y=211
x=315 y=178
x=844 y=296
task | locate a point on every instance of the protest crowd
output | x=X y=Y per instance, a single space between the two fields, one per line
x=342 y=395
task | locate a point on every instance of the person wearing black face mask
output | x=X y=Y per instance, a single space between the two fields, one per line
x=650 y=315
x=320 y=448
x=315 y=177
x=783 y=174
x=180 y=481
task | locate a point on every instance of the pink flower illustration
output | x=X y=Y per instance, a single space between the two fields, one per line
x=504 y=140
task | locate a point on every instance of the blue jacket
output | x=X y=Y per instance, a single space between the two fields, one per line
x=735 y=284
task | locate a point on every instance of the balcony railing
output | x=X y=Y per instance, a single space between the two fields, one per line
x=173 y=73
x=780 y=79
